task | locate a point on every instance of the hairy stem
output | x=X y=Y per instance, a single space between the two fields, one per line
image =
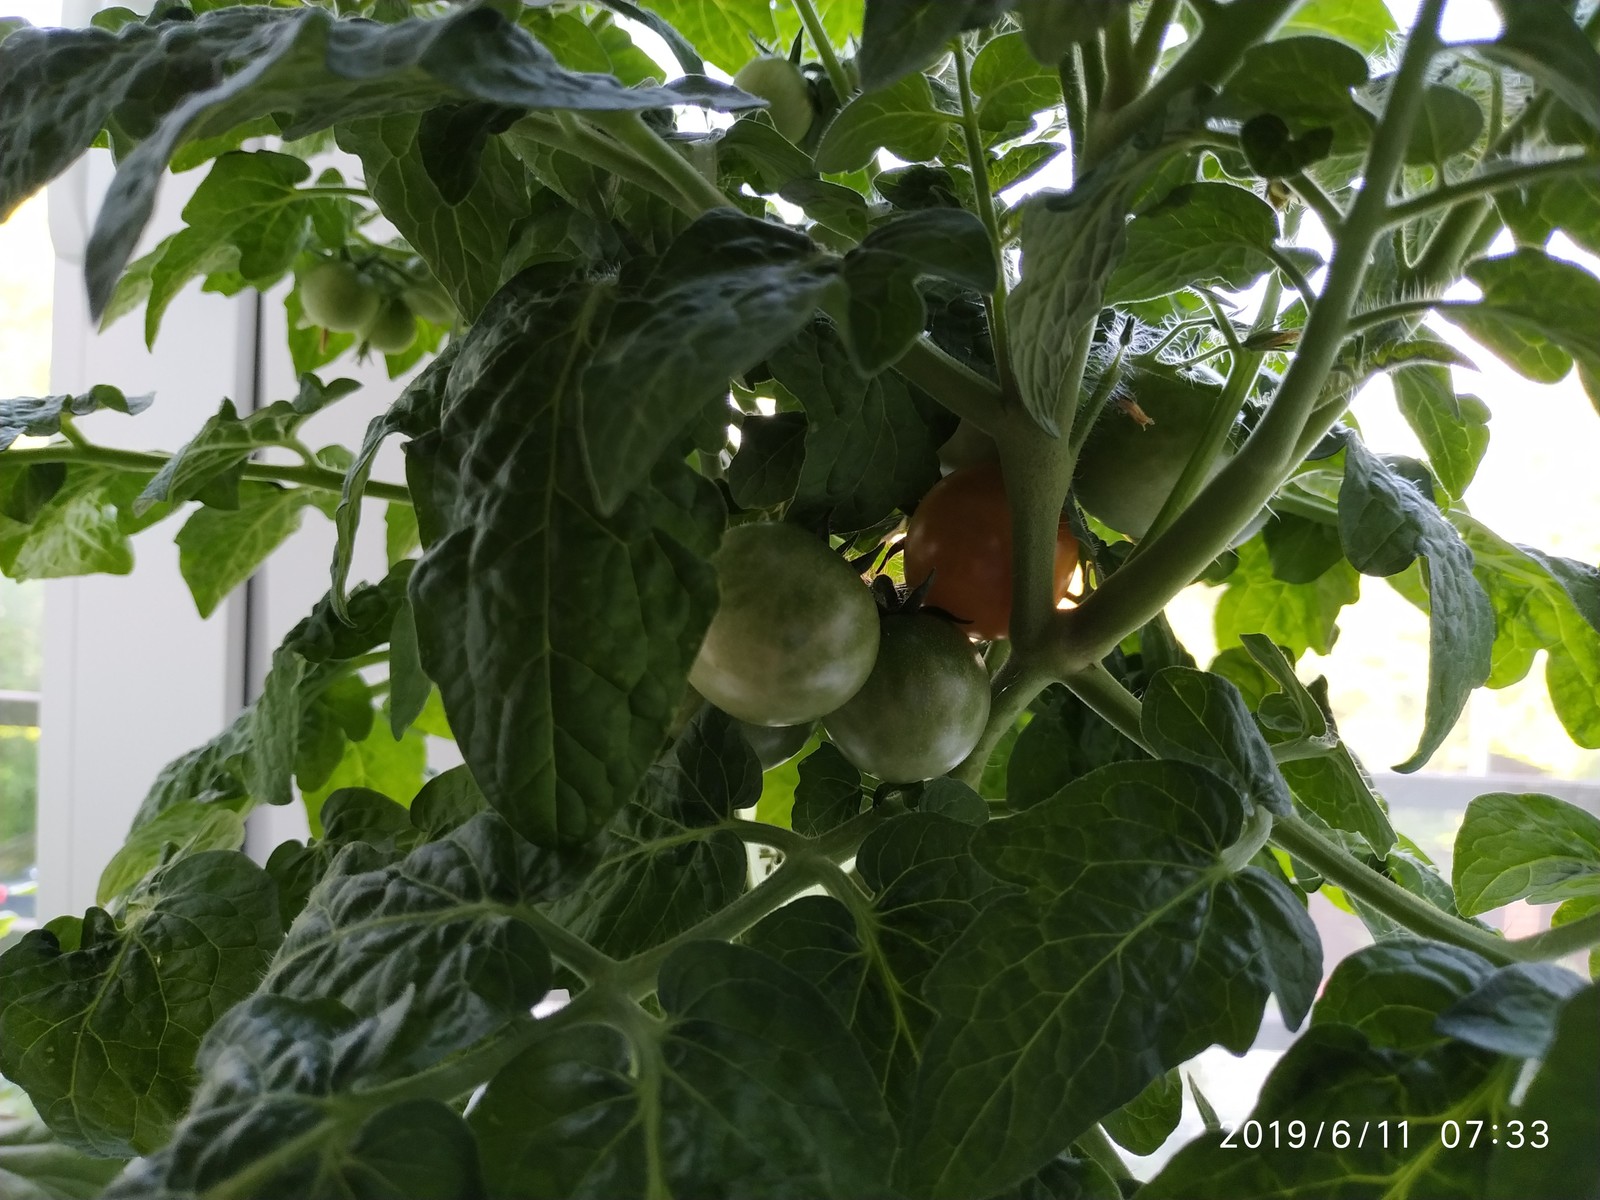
x=1094 y=1142
x=1488 y=183
x=1152 y=36
x=977 y=158
x=818 y=33
x=136 y=460
x=1015 y=686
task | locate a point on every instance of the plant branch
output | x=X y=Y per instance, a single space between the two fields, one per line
x=824 y=48
x=650 y=148
x=1075 y=100
x=1142 y=588
x=1015 y=686
x=1293 y=274
x=1487 y=183
x=1209 y=59
x=135 y=460
x=1571 y=938
x=978 y=159
x=589 y=963
x=1094 y=1142
x=1123 y=81
x=1152 y=37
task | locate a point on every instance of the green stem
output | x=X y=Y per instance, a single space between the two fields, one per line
x=134 y=460
x=1144 y=586
x=649 y=147
x=1310 y=193
x=1208 y=60
x=1092 y=64
x=1361 y=882
x=1152 y=36
x=1075 y=100
x=1102 y=692
x=589 y=963
x=1404 y=310
x=1094 y=1142
x=994 y=305
x=824 y=48
x=1571 y=938
x=1015 y=686
x=582 y=142
x=1123 y=81
x=1487 y=183
x=1292 y=273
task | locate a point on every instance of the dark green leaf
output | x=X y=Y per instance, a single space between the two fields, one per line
x=1301 y=550
x=1064 y=740
x=730 y=291
x=766 y=471
x=829 y=792
x=1524 y=846
x=951 y=798
x=1202 y=233
x=752 y=1086
x=1351 y=1119
x=465 y=244
x=1143 y=1125
x=870 y=962
x=871 y=444
x=1365 y=24
x=669 y=858
x=1053 y=29
x=40 y=416
x=1564 y=1098
x=559 y=731
x=886 y=313
x=1200 y=718
x=103 y=1031
x=1385 y=523
x=1132 y=950
x=81 y=529
x=901 y=36
x=1570 y=204
x=1306 y=82
x=441 y=926
x=1393 y=991
x=265 y=1121
x=1513 y=1011
x=900 y=119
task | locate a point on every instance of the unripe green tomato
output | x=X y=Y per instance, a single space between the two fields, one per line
x=431 y=302
x=394 y=328
x=337 y=296
x=1126 y=470
x=923 y=708
x=780 y=83
x=776 y=744
x=795 y=633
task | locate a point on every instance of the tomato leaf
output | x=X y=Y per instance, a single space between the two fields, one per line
x=1385 y=523
x=1017 y=1063
x=1201 y=233
x=1454 y=430
x=828 y=794
x=1529 y=846
x=668 y=859
x=1563 y=1096
x=1393 y=991
x=766 y=471
x=1143 y=1125
x=40 y=416
x=1544 y=41
x=885 y=312
x=871 y=444
x=559 y=734
x=901 y=119
x=871 y=965
x=109 y=998
x=1011 y=87
x=902 y=36
x=1514 y=1011
x=714 y=1110
x=34 y=1166
x=220 y=548
x=1370 y=1104
x=1200 y=718
x=730 y=291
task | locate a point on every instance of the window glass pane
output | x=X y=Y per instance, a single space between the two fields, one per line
x=27 y=276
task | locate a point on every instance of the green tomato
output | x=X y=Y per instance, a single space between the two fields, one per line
x=776 y=744
x=796 y=630
x=394 y=328
x=780 y=83
x=1126 y=471
x=923 y=708
x=337 y=296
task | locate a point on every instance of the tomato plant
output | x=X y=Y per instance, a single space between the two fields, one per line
x=960 y=537
x=671 y=360
x=923 y=708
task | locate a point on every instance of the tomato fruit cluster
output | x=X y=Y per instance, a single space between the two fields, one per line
x=960 y=534
x=797 y=636
x=338 y=295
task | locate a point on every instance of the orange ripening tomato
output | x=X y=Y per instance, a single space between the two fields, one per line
x=961 y=533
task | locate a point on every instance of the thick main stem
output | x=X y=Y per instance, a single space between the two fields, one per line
x=824 y=48
x=1142 y=588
